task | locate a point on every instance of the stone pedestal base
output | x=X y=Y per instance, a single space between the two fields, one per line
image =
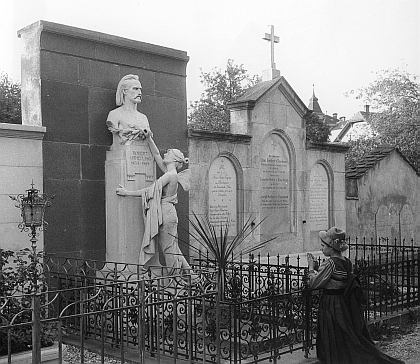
x=124 y=219
x=270 y=74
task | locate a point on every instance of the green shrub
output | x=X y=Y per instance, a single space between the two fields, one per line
x=19 y=279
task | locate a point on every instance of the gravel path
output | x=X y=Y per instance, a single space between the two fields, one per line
x=72 y=356
x=399 y=342
x=405 y=345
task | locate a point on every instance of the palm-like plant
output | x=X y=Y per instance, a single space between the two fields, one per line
x=221 y=247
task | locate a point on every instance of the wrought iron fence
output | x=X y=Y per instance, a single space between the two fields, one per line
x=257 y=276
x=161 y=317
x=389 y=274
x=266 y=310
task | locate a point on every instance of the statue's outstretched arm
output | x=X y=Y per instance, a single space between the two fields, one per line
x=122 y=191
x=155 y=151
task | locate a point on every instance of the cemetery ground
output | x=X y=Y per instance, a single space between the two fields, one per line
x=398 y=341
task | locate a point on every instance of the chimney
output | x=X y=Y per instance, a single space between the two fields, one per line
x=335 y=115
x=367 y=109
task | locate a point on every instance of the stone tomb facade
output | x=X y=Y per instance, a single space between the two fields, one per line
x=382 y=198
x=264 y=168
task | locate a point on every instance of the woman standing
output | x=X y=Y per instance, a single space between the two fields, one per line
x=342 y=335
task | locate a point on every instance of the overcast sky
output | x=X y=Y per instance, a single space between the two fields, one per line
x=338 y=45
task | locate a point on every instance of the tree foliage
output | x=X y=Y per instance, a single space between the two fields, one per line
x=316 y=130
x=359 y=148
x=222 y=87
x=21 y=275
x=395 y=95
x=10 y=111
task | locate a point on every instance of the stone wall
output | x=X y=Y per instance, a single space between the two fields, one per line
x=69 y=78
x=387 y=193
x=20 y=165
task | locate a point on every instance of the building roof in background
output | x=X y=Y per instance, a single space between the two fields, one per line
x=340 y=125
x=315 y=107
x=373 y=158
x=346 y=126
x=361 y=116
x=331 y=121
x=314 y=104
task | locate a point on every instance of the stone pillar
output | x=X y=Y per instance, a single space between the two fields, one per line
x=133 y=167
x=30 y=74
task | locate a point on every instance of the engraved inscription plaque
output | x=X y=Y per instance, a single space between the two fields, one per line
x=222 y=194
x=275 y=186
x=318 y=198
x=139 y=161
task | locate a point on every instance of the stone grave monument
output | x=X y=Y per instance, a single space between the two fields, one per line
x=275 y=185
x=222 y=194
x=128 y=163
x=69 y=80
x=318 y=198
x=406 y=225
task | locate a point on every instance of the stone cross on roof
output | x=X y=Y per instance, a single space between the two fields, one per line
x=272 y=39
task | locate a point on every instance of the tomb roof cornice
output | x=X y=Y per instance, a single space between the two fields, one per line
x=331 y=147
x=46 y=26
x=242 y=105
x=22 y=131
x=215 y=135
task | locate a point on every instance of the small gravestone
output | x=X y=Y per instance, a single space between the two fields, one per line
x=222 y=194
x=406 y=225
x=394 y=218
x=275 y=185
x=382 y=224
x=318 y=198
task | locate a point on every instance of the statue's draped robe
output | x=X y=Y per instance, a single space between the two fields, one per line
x=152 y=215
x=161 y=226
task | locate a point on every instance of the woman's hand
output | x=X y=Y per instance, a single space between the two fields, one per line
x=311 y=261
x=121 y=191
